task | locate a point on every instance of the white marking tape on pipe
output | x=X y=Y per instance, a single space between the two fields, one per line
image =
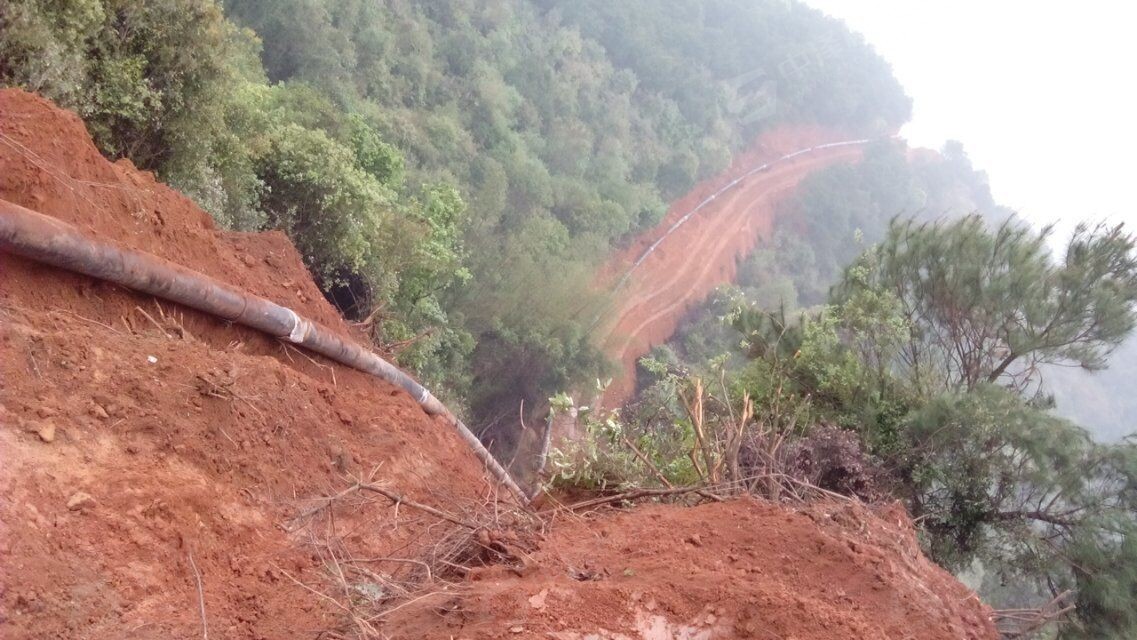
x=299 y=327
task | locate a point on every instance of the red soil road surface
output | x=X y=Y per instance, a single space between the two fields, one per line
x=119 y=476
x=704 y=252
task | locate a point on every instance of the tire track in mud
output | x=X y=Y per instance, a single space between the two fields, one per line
x=697 y=253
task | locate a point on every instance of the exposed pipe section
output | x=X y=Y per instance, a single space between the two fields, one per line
x=45 y=239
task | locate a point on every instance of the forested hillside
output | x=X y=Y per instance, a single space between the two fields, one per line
x=451 y=171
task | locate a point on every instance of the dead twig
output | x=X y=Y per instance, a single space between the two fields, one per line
x=400 y=499
x=152 y=320
x=694 y=406
x=224 y=391
x=395 y=498
x=524 y=428
x=1022 y=623
x=362 y=623
x=376 y=313
x=429 y=573
x=712 y=492
x=388 y=612
x=546 y=440
x=330 y=368
x=86 y=319
x=200 y=598
x=714 y=497
x=636 y=494
x=324 y=503
x=399 y=345
x=364 y=588
x=319 y=594
x=647 y=462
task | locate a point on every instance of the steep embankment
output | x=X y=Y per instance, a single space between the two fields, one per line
x=136 y=436
x=161 y=472
x=703 y=253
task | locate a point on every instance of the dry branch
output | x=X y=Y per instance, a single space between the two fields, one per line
x=714 y=492
x=637 y=494
x=647 y=462
x=399 y=500
x=395 y=498
x=1024 y=623
x=200 y=598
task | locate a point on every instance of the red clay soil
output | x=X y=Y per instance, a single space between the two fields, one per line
x=155 y=462
x=704 y=252
x=136 y=436
x=738 y=569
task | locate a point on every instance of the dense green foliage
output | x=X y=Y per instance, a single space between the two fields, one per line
x=177 y=88
x=453 y=171
x=992 y=474
x=567 y=125
x=153 y=81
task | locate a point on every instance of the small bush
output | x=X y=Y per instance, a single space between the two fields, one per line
x=598 y=461
x=832 y=458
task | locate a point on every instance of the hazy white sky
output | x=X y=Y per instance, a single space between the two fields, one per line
x=1042 y=94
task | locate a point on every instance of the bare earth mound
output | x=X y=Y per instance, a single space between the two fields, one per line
x=739 y=569
x=154 y=463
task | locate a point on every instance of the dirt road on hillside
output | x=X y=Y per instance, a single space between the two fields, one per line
x=704 y=252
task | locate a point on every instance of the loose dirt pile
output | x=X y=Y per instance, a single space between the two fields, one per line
x=739 y=569
x=155 y=462
x=137 y=435
x=704 y=252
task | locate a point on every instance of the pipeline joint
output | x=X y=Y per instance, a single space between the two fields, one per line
x=299 y=327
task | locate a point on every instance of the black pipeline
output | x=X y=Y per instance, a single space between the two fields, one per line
x=45 y=239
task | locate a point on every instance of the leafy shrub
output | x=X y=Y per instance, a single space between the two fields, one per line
x=598 y=461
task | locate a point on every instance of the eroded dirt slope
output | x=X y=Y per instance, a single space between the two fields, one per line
x=135 y=435
x=704 y=252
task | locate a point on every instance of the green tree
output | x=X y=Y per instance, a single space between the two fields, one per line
x=987 y=470
x=152 y=80
x=334 y=211
x=991 y=477
x=987 y=306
